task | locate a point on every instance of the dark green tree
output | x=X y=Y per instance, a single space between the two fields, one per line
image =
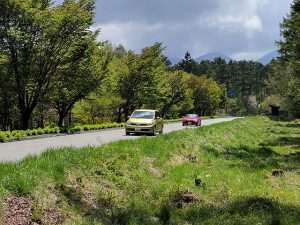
x=207 y=95
x=83 y=71
x=173 y=90
x=138 y=85
x=290 y=54
x=36 y=37
x=187 y=64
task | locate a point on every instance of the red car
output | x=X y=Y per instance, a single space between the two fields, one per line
x=191 y=119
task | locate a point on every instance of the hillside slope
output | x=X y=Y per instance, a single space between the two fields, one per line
x=240 y=172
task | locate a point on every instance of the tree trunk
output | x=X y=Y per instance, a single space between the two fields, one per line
x=25 y=117
x=61 y=117
x=119 y=120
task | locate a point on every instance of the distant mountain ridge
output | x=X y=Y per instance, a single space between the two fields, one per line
x=268 y=57
x=212 y=55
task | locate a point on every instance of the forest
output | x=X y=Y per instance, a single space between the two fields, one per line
x=54 y=71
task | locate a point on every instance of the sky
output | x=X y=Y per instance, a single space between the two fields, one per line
x=241 y=29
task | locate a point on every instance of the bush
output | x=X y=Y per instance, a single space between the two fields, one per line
x=56 y=130
x=3 y=136
x=17 y=134
x=9 y=135
x=40 y=131
x=76 y=129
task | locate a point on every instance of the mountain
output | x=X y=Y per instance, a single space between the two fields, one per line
x=267 y=58
x=174 y=60
x=211 y=56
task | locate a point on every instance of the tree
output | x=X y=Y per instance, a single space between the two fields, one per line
x=7 y=97
x=221 y=75
x=82 y=73
x=173 y=90
x=206 y=94
x=138 y=85
x=36 y=37
x=187 y=64
x=290 y=54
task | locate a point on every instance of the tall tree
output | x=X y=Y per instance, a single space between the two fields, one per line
x=36 y=37
x=7 y=97
x=290 y=54
x=187 y=64
x=173 y=90
x=207 y=95
x=82 y=73
x=138 y=85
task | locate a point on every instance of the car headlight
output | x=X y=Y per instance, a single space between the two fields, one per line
x=128 y=123
x=149 y=124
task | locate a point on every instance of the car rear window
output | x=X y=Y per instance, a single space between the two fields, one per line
x=191 y=115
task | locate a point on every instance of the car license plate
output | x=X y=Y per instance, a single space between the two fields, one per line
x=189 y=123
x=137 y=129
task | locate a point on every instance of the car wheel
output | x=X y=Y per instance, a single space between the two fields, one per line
x=183 y=124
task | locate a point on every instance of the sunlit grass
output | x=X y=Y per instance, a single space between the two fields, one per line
x=134 y=182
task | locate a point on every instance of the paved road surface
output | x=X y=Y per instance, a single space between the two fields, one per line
x=14 y=151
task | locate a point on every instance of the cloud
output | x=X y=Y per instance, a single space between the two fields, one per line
x=248 y=55
x=241 y=28
x=128 y=33
x=239 y=17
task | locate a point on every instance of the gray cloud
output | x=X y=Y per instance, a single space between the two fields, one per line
x=243 y=29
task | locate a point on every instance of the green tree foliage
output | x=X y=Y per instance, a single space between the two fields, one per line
x=290 y=54
x=243 y=78
x=7 y=97
x=173 y=90
x=187 y=64
x=138 y=85
x=36 y=37
x=82 y=73
x=207 y=95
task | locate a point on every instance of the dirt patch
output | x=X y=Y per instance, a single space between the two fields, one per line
x=192 y=158
x=277 y=173
x=177 y=160
x=52 y=216
x=182 y=198
x=17 y=211
x=150 y=163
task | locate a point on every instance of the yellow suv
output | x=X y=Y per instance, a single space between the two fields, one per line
x=145 y=121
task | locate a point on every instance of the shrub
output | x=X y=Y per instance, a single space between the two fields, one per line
x=34 y=132
x=56 y=130
x=9 y=135
x=3 y=136
x=86 y=127
x=40 y=131
x=28 y=132
x=76 y=129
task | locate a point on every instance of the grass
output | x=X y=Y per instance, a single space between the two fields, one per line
x=145 y=181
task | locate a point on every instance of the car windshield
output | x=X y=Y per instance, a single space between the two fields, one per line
x=191 y=115
x=143 y=114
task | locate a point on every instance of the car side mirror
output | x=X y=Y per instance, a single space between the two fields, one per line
x=128 y=117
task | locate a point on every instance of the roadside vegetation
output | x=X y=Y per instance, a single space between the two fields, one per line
x=85 y=81
x=24 y=134
x=241 y=172
x=6 y=136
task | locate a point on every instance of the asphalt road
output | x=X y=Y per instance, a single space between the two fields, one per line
x=14 y=151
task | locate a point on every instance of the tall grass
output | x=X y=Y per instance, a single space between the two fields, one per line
x=136 y=182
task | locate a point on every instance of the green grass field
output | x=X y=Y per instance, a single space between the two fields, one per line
x=152 y=180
